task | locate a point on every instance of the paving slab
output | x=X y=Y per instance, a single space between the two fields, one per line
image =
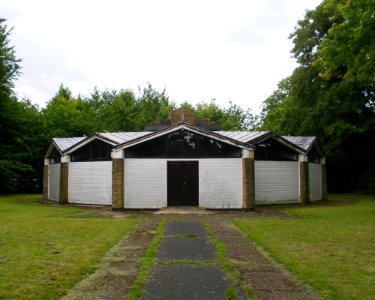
x=185 y=228
x=178 y=248
x=190 y=282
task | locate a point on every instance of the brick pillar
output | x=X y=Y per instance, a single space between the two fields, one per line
x=64 y=186
x=324 y=180
x=45 y=182
x=304 y=186
x=248 y=180
x=118 y=197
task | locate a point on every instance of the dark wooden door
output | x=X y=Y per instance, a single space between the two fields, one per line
x=182 y=183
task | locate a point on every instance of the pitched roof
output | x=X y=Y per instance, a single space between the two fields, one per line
x=122 y=140
x=193 y=128
x=122 y=137
x=65 y=143
x=243 y=136
x=304 y=142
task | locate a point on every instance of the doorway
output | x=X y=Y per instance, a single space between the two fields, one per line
x=182 y=183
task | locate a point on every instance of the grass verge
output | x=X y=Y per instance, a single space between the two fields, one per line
x=328 y=246
x=45 y=249
x=146 y=264
x=233 y=276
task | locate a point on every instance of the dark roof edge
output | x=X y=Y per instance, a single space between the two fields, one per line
x=194 y=128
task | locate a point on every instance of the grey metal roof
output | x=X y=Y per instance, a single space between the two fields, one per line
x=65 y=143
x=122 y=137
x=304 y=142
x=154 y=134
x=118 y=138
x=243 y=136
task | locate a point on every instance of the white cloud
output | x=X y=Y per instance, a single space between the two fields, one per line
x=197 y=50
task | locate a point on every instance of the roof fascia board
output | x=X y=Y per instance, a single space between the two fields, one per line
x=50 y=149
x=229 y=140
x=89 y=139
x=261 y=138
x=179 y=126
x=289 y=144
x=146 y=137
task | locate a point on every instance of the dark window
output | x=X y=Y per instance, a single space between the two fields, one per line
x=273 y=150
x=153 y=148
x=95 y=151
x=55 y=157
x=313 y=156
x=181 y=144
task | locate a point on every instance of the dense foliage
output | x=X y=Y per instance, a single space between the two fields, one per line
x=20 y=123
x=331 y=94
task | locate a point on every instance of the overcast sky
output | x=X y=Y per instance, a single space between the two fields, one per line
x=198 y=50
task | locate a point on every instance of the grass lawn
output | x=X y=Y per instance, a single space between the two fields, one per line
x=329 y=246
x=45 y=249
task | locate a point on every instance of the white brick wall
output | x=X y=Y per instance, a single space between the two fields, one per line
x=145 y=183
x=315 y=177
x=276 y=182
x=220 y=183
x=54 y=182
x=90 y=182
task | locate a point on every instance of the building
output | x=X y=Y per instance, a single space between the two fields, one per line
x=181 y=163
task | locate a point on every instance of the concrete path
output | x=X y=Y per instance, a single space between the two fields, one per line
x=187 y=266
x=268 y=280
x=118 y=269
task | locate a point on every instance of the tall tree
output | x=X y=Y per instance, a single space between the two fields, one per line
x=15 y=122
x=331 y=94
x=233 y=117
x=153 y=105
x=111 y=110
x=9 y=63
x=64 y=115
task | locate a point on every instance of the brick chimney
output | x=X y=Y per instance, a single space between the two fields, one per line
x=182 y=115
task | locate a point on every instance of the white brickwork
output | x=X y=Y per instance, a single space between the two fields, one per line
x=220 y=183
x=145 y=183
x=90 y=182
x=276 y=182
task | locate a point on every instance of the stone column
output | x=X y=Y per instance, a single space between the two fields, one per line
x=64 y=179
x=45 y=179
x=304 y=186
x=324 y=178
x=248 y=180
x=118 y=184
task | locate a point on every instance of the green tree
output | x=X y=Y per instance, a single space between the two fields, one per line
x=65 y=116
x=19 y=120
x=9 y=64
x=331 y=94
x=111 y=110
x=232 y=118
x=152 y=105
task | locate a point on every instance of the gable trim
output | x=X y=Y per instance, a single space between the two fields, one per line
x=52 y=146
x=88 y=140
x=185 y=126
